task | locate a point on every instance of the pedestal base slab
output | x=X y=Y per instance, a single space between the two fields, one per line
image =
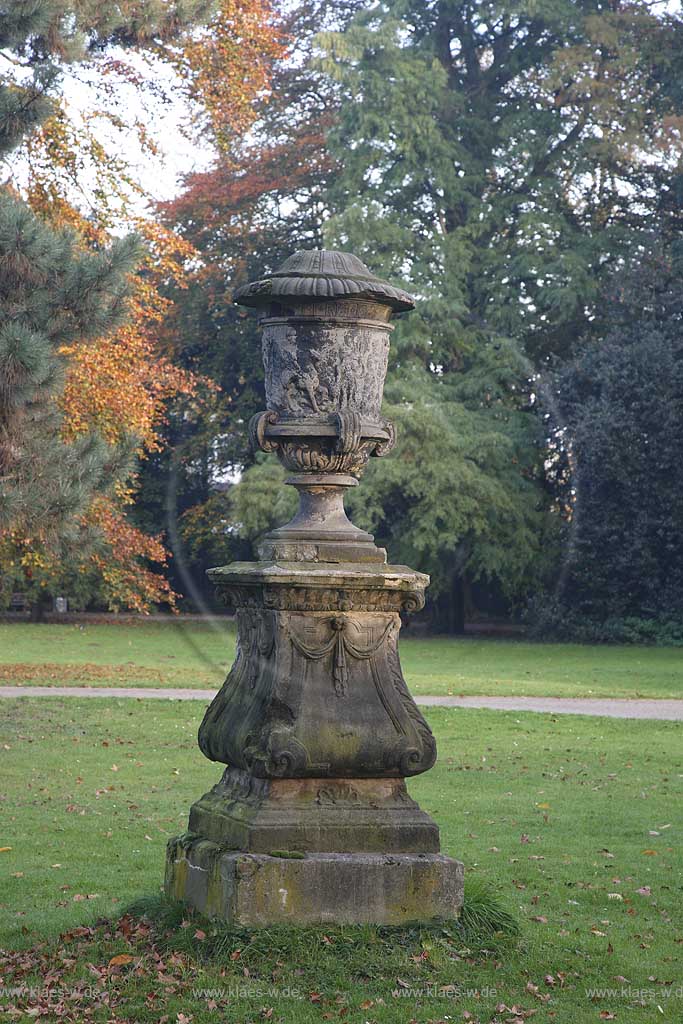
x=315 y=888
x=313 y=815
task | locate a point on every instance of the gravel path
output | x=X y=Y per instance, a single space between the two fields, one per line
x=667 y=710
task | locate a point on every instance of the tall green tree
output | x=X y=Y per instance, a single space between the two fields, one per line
x=618 y=431
x=490 y=155
x=504 y=157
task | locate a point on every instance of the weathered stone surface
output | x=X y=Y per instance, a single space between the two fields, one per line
x=315 y=366
x=315 y=888
x=325 y=364
x=243 y=812
x=316 y=689
x=310 y=587
x=336 y=539
x=312 y=275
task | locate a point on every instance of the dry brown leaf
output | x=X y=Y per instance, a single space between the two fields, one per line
x=121 y=959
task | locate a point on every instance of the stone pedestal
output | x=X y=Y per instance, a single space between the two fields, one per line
x=311 y=821
x=254 y=889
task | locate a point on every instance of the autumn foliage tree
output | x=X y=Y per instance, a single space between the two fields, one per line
x=105 y=383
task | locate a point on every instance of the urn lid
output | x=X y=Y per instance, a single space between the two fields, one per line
x=322 y=274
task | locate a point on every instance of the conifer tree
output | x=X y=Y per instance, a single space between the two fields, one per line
x=502 y=159
x=617 y=471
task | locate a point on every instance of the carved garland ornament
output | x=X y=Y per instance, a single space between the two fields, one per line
x=340 y=643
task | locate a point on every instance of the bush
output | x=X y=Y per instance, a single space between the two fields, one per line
x=549 y=619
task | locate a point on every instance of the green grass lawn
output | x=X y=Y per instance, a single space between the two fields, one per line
x=196 y=654
x=574 y=822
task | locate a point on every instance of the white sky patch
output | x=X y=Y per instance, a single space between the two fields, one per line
x=157 y=101
x=169 y=122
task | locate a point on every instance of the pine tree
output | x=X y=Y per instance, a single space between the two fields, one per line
x=51 y=294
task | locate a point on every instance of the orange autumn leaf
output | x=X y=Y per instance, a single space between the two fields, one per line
x=121 y=959
x=228 y=67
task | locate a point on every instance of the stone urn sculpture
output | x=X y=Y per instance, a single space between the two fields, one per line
x=311 y=821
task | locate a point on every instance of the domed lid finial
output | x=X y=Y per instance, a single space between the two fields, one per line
x=322 y=274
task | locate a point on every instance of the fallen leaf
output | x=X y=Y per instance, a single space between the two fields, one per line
x=199 y=934
x=121 y=959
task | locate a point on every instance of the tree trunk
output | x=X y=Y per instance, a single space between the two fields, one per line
x=449 y=609
x=38 y=608
x=458 y=603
